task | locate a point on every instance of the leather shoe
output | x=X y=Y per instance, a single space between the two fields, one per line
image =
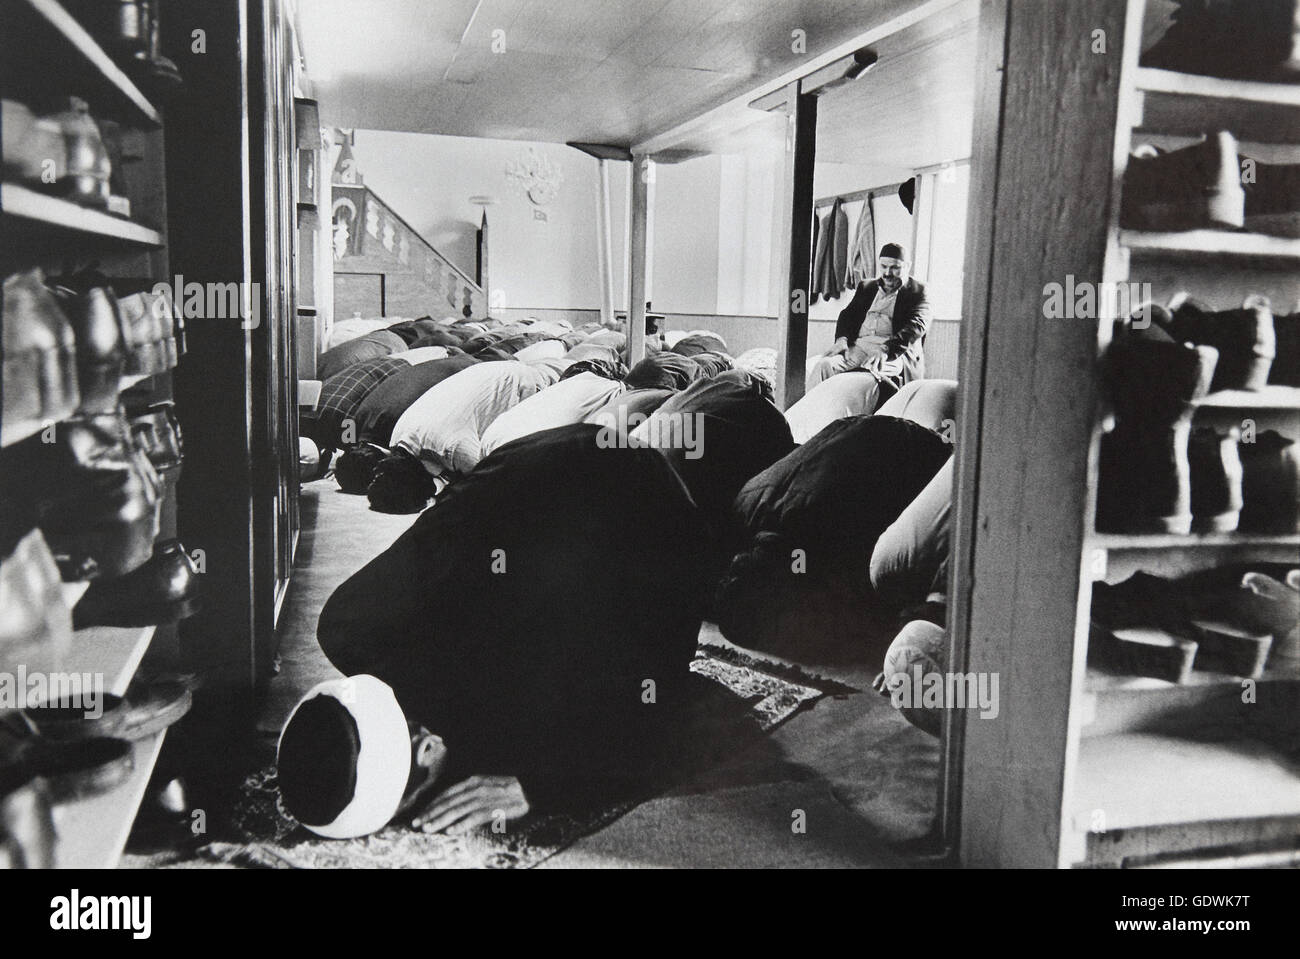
x=40 y=359
x=102 y=514
x=1244 y=338
x=1270 y=484
x=1190 y=188
x=163 y=590
x=158 y=433
x=143 y=328
x=1216 y=479
x=100 y=353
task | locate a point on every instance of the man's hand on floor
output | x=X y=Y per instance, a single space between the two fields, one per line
x=475 y=802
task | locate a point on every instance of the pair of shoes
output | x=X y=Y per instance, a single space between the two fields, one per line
x=1245 y=338
x=163 y=590
x=151 y=339
x=40 y=381
x=1145 y=475
x=1209 y=185
x=130 y=30
x=147 y=708
x=94 y=494
x=1152 y=626
x=1235 y=39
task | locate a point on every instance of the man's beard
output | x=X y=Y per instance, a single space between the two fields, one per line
x=890 y=283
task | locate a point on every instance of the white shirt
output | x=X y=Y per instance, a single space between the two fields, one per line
x=878 y=325
x=445 y=426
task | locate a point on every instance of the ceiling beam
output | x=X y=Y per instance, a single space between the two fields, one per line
x=602 y=151
x=724 y=115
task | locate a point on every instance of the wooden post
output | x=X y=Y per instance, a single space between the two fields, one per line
x=643 y=173
x=793 y=242
x=604 y=244
x=1026 y=410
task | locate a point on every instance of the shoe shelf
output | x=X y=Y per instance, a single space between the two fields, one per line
x=1103 y=682
x=1140 y=779
x=54 y=213
x=92 y=832
x=114 y=652
x=1269 y=398
x=1259 y=248
x=1172 y=554
x=1206 y=699
x=88 y=69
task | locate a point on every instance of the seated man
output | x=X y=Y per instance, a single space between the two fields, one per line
x=881 y=331
x=517 y=622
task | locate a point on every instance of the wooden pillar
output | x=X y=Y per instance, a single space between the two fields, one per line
x=604 y=244
x=639 y=238
x=793 y=245
x=1043 y=171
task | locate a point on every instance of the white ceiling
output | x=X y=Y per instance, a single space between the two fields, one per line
x=916 y=107
x=608 y=71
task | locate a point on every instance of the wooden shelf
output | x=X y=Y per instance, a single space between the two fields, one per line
x=1144 y=779
x=1104 y=682
x=112 y=651
x=1269 y=398
x=1241 y=93
x=64 y=215
x=93 y=832
x=1189 y=105
x=1274 y=251
x=90 y=65
x=1175 y=555
x=1150 y=541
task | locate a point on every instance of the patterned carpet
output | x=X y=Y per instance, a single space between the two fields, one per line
x=759 y=694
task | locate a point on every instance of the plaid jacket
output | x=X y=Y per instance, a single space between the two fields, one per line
x=341 y=396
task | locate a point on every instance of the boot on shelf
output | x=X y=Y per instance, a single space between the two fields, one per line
x=1145 y=476
x=1270 y=484
x=1191 y=188
x=1216 y=479
x=1245 y=339
x=1234 y=39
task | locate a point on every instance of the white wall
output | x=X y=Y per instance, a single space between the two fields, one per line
x=684 y=266
x=534 y=263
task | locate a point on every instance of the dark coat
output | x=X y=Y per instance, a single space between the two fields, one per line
x=905 y=360
x=537 y=668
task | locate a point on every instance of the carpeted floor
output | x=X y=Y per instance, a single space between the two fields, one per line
x=843 y=783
